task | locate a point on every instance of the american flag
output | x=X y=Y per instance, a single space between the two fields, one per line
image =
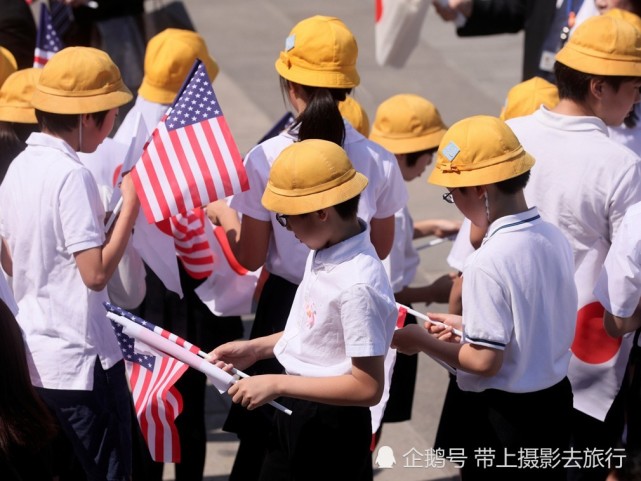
x=191 y=159
x=157 y=402
x=192 y=245
x=47 y=41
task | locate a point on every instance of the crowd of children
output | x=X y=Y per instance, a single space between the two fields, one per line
x=544 y=319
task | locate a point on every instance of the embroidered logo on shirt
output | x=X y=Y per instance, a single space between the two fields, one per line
x=310 y=313
x=450 y=151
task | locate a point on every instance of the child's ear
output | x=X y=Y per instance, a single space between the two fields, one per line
x=596 y=87
x=322 y=214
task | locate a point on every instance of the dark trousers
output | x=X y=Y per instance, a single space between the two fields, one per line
x=319 y=442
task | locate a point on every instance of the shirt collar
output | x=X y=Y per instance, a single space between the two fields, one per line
x=574 y=123
x=510 y=223
x=38 y=139
x=329 y=257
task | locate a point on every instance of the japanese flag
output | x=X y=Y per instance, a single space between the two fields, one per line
x=398 y=25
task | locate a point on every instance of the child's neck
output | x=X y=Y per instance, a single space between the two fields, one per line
x=344 y=230
x=510 y=204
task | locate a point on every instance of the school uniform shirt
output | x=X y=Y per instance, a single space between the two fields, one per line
x=384 y=195
x=583 y=182
x=618 y=287
x=343 y=308
x=403 y=259
x=51 y=209
x=519 y=297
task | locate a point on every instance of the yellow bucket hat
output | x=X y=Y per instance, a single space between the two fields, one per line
x=526 y=97
x=311 y=175
x=604 y=45
x=625 y=15
x=80 y=80
x=8 y=64
x=479 y=150
x=169 y=57
x=15 y=96
x=351 y=110
x=320 y=52
x=407 y=123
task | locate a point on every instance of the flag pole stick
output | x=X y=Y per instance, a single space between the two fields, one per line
x=434 y=242
x=425 y=318
x=114 y=214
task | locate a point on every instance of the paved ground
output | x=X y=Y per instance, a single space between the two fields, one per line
x=462 y=77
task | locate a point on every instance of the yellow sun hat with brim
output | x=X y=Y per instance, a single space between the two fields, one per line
x=526 y=97
x=80 y=80
x=604 y=45
x=479 y=150
x=320 y=52
x=8 y=64
x=355 y=114
x=169 y=57
x=16 y=94
x=633 y=18
x=407 y=123
x=311 y=175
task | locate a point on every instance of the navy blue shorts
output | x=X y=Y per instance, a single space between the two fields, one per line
x=97 y=423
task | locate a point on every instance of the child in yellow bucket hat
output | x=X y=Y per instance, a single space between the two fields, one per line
x=519 y=303
x=55 y=247
x=411 y=128
x=8 y=64
x=17 y=115
x=355 y=114
x=317 y=69
x=339 y=328
x=584 y=182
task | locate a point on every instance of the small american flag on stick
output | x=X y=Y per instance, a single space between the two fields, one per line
x=47 y=41
x=191 y=159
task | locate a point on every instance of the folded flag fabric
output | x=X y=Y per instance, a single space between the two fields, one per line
x=47 y=40
x=192 y=158
x=192 y=245
x=397 y=30
x=155 y=359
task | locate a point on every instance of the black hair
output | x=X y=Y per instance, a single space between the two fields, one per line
x=515 y=184
x=321 y=119
x=349 y=208
x=58 y=123
x=412 y=157
x=10 y=147
x=630 y=469
x=575 y=85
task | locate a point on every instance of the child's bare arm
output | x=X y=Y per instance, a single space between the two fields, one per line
x=618 y=326
x=363 y=387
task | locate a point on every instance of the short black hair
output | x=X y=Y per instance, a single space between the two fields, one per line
x=59 y=123
x=412 y=157
x=348 y=209
x=575 y=85
x=515 y=184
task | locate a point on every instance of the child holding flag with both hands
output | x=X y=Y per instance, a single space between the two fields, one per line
x=519 y=305
x=338 y=330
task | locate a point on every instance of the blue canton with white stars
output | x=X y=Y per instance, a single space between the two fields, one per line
x=196 y=103
x=48 y=38
x=127 y=346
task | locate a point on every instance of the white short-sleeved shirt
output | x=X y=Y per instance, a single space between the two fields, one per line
x=51 y=209
x=343 y=308
x=519 y=297
x=384 y=195
x=403 y=259
x=618 y=287
x=462 y=247
x=582 y=182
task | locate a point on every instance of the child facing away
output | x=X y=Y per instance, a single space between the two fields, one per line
x=338 y=330
x=411 y=128
x=519 y=306
x=55 y=247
